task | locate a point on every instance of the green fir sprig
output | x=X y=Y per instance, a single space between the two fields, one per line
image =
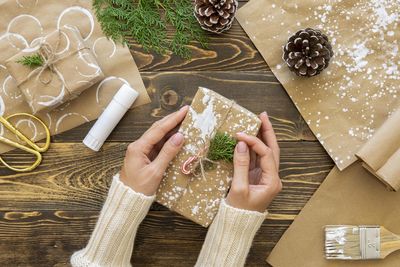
x=222 y=147
x=32 y=61
x=149 y=22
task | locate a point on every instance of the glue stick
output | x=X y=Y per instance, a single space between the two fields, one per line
x=110 y=117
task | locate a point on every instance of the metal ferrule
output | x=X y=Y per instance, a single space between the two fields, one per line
x=370 y=241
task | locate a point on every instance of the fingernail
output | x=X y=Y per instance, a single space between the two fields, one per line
x=177 y=139
x=240 y=134
x=241 y=147
x=264 y=113
x=183 y=108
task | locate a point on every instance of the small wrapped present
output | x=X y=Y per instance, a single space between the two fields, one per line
x=56 y=70
x=193 y=185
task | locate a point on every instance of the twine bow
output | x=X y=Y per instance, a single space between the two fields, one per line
x=191 y=164
x=48 y=54
x=50 y=57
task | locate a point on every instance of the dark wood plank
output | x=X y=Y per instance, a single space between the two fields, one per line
x=48 y=214
x=48 y=238
x=72 y=177
x=169 y=90
x=229 y=51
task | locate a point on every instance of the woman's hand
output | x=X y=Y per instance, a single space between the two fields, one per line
x=148 y=157
x=256 y=165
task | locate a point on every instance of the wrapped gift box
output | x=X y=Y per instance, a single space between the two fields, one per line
x=197 y=196
x=69 y=67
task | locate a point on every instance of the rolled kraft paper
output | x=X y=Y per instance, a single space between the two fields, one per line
x=390 y=172
x=380 y=153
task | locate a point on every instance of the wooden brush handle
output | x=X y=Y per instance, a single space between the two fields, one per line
x=389 y=242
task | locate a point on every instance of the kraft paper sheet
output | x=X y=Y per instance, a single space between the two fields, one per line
x=196 y=197
x=353 y=196
x=347 y=102
x=381 y=154
x=22 y=22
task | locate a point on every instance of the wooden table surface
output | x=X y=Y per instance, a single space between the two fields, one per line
x=48 y=214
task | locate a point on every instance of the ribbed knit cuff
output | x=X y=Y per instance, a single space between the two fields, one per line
x=112 y=240
x=230 y=236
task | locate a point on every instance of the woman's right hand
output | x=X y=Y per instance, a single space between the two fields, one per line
x=256 y=179
x=148 y=157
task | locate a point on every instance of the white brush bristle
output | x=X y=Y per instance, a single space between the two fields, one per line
x=342 y=242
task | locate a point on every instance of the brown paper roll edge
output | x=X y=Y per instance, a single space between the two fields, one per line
x=383 y=144
x=384 y=148
x=390 y=172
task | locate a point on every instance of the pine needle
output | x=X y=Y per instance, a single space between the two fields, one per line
x=32 y=61
x=222 y=147
x=147 y=21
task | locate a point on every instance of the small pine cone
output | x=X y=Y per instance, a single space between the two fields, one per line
x=307 y=52
x=215 y=15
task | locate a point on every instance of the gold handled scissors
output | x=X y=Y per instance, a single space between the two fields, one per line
x=29 y=145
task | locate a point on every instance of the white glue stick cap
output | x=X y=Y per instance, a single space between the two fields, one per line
x=110 y=117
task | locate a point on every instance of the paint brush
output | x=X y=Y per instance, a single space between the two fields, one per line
x=364 y=242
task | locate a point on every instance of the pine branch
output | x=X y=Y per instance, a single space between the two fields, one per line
x=32 y=61
x=222 y=147
x=147 y=21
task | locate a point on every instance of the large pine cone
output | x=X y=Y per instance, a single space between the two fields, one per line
x=215 y=15
x=307 y=52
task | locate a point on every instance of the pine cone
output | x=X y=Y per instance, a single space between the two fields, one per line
x=215 y=15
x=307 y=52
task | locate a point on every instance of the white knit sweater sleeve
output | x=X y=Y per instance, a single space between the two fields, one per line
x=230 y=236
x=112 y=240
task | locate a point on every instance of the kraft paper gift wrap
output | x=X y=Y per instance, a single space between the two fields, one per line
x=73 y=68
x=353 y=196
x=381 y=154
x=194 y=196
x=22 y=23
x=349 y=100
